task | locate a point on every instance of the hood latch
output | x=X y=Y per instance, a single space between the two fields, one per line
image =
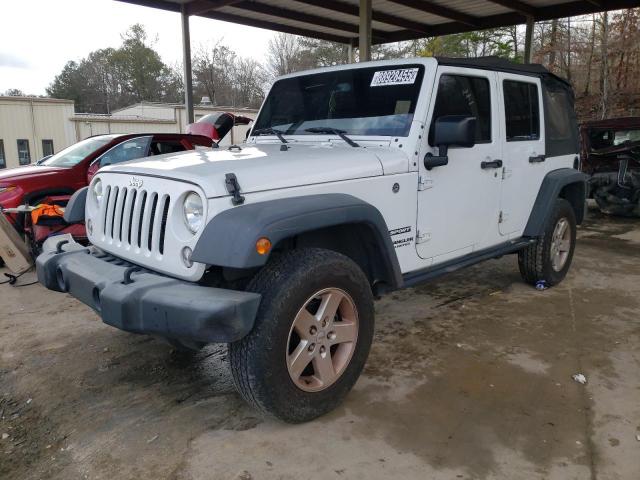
x=233 y=187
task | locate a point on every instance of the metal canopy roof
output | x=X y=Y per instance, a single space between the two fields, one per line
x=392 y=20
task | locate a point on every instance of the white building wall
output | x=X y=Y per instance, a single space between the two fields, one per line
x=34 y=119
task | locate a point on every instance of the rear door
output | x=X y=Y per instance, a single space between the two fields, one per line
x=523 y=150
x=458 y=203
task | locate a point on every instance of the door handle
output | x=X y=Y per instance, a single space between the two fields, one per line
x=491 y=164
x=537 y=159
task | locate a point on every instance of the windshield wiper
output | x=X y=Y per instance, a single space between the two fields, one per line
x=335 y=131
x=270 y=131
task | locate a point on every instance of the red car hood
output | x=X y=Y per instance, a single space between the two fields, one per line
x=22 y=173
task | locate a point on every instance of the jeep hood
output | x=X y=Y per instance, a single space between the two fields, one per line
x=267 y=167
x=12 y=175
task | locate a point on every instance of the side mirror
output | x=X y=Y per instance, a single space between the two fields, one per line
x=450 y=130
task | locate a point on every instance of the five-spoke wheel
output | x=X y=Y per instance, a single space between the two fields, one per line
x=322 y=339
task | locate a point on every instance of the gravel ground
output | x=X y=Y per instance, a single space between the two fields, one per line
x=469 y=377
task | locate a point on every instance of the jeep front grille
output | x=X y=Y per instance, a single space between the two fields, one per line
x=140 y=219
x=135 y=218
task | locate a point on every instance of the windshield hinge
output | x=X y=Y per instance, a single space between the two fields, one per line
x=233 y=187
x=422 y=237
x=424 y=183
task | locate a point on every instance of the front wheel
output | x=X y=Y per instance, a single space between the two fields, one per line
x=549 y=258
x=311 y=336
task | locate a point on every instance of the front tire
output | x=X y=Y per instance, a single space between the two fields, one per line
x=548 y=260
x=311 y=336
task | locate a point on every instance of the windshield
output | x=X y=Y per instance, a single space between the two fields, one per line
x=71 y=156
x=377 y=101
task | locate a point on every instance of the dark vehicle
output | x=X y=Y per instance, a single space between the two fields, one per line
x=611 y=157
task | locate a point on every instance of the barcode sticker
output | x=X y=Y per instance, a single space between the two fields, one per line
x=404 y=76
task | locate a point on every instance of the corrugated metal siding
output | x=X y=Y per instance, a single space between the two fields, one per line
x=408 y=12
x=475 y=8
x=286 y=22
x=48 y=121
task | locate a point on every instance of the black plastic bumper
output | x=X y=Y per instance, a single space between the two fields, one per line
x=151 y=303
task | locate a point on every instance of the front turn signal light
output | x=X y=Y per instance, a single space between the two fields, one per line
x=263 y=246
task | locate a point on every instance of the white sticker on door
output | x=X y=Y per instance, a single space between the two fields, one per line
x=404 y=76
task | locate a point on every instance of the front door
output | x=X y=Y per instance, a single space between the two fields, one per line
x=523 y=150
x=458 y=203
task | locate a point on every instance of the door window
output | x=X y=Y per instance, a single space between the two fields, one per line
x=468 y=96
x=129 y=150
x=47 y=148
x=3 y=161
x=522 y=111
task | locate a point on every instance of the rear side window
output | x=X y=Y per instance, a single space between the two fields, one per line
x=162 y=147
x=463 y=95
x=522 y=111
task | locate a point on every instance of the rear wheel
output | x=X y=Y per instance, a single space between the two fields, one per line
x=549 y=259
x=311 y=336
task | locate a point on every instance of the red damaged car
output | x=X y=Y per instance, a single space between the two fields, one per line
x=72 y=168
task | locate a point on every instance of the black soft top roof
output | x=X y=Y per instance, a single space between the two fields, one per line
x=500 y=64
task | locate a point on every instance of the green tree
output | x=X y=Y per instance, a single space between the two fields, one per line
x=115 y=77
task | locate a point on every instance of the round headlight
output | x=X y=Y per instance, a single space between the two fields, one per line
x=193 y=211
x=97 y=190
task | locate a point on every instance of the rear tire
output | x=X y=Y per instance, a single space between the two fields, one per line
x=311 y=336
x=549 y=259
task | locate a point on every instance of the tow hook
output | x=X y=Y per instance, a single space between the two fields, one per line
x=127 y=275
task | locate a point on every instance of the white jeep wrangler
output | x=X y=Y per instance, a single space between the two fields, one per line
x=355 y=180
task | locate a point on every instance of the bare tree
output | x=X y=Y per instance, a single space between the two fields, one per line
x=604 y=65
x=284 y=54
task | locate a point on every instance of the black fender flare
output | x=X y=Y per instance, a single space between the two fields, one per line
x=229 y=239
x=550 y=190
x=74 y=211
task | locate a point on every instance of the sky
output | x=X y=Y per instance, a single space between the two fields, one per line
x=38 y=37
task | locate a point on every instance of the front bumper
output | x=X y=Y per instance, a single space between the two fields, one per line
x=140 y=301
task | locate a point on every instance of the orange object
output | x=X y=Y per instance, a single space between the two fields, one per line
x=263 y=245
x=45 y=210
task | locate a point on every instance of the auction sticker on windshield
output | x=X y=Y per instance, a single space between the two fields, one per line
x=404 y=76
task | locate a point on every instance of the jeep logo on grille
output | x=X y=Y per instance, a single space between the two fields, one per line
x=135 y=182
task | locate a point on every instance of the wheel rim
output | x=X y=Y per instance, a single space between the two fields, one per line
x=322 y=339
x=560 y=244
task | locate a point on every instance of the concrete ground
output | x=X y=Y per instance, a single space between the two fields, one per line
x=469 y=377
